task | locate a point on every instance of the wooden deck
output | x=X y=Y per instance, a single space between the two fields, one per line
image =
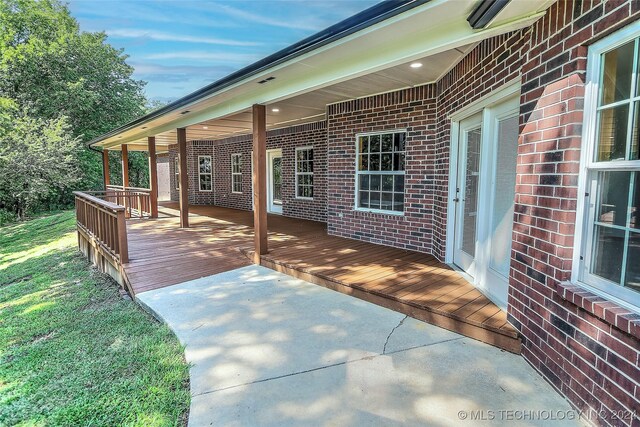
x=162 y=254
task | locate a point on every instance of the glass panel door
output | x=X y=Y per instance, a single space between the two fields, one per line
x=274 y=181
x=276 y=171
x=502 y=158
x=470 y=193
x=484 y=199
x=504 y=191
x=467 y=188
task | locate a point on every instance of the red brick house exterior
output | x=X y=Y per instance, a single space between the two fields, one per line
x=585 y=345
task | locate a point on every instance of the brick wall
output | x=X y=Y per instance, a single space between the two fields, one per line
x=587 y=348
x=411 y=109
x=286 y=139
x=424 y=111
x=223 y=150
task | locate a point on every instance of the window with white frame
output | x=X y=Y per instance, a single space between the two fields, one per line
x=611 y=255
x=205 y=181
x=380 y=171
x=236 y=173
x=304 y=173
x=176 y=173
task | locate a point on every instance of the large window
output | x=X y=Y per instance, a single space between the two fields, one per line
x=205 y=173
x=380 y=171
x=304 y=173
x=611 y=253
x=236 y=173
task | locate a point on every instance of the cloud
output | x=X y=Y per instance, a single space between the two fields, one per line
x=142 y=68
x=296 y=24
x=206 y=56
x=132 y=33
x=132 y=12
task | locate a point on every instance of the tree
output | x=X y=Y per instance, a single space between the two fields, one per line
x=38 y=160
x=51 y=68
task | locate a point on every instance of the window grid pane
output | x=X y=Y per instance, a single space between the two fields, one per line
x=615 y=232
x=236 y=173
x=380 y=170
x=614 y=235
x=205 y=173
x=617 y=119
x=304 y=172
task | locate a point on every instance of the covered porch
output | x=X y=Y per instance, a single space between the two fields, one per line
x=220 y=239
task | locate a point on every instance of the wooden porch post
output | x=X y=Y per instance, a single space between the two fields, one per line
x=105 y=168
x=153 y=175
x=184 y=178
x=259 y=175
x=125 y=165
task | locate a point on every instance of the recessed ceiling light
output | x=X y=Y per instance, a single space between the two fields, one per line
x=205 y=127
x=416 y=65
x=275 y=110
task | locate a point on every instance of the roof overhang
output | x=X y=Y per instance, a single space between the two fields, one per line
x=382 y=40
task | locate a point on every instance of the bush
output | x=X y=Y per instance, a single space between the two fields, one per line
x=38 y=161
x=7 y=217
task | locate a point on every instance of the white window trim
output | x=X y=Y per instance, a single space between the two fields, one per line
x=236 y=173
x=586 y=204
x=357 y=174
x=297 y=173
x=202 y=173
x=176 y=173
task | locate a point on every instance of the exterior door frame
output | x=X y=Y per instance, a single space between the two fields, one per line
x=272 y=207
x=499 y=96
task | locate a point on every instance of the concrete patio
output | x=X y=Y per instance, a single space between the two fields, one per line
x=269 y=349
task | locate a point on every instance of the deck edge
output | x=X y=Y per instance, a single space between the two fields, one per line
x=487 y=335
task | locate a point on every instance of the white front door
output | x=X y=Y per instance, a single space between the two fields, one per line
x=485 y=192
x=274 y=181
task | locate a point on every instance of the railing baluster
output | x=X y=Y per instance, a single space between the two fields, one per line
x=103 y=221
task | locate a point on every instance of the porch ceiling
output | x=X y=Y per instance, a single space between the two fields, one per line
x=374 y=60
x=311 y=106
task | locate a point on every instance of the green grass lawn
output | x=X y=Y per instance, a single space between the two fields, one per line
x=72 y=350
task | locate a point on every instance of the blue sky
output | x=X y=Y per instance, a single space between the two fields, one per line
x=180 y=46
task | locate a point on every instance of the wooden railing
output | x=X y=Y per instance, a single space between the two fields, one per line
x=136 y=201
x=103 y=222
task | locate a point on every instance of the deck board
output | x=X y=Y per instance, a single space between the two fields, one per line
x=162 y=254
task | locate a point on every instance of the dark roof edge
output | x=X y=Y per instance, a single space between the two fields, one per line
x=485 y=12
x=353 y=24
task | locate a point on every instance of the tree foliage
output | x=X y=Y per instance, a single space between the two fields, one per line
x=60 y=74
x=38 y=160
